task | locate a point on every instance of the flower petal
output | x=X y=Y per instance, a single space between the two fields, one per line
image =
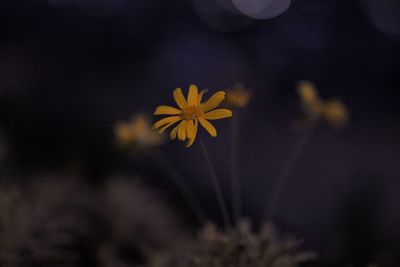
x=192 y=95
x=208 y=126
x=174 y=131
x=166 y=110
x=182 y=131
x=162 y=129
x=190 y=129
x=164 y=121
x=214 y=101
x=191 y=140
x=217 y=114
x=307 y=91
x=336 y=113
x=179 y=98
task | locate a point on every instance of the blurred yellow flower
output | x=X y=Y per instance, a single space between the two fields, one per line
x=332 y=111
x=310 y=101
x=336 y=113
x=137 y=132
x=238 y=96
x=190 y=113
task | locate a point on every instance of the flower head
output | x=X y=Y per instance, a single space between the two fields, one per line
x=190 y=113
x=310 y=101
x=332 y=111
x=238 y=96
x=336 y=113
x=137 y=132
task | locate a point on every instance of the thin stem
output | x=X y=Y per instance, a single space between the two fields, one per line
x=183 y=187
x=236 y=193
x=220 y=198
x=288 y=168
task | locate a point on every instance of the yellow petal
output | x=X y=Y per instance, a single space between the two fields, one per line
x=193 y=95
x=307 y=91
x=174 y=131
x=191 y=140
x=217 y=114
x=214 y=101
x=166 y=110
x=336 y=113
x=162 y=129
x=189 y=129
x=200 y=96
x=182 y=131
x=164 y=121
x=208 y=126
x=179 y=98
x=123 y=131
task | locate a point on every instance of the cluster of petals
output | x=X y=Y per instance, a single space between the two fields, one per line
x=238 y=96
x=332 y=111
x=189 y=113
x=137 y=131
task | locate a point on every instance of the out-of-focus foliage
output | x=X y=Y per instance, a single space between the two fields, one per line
x=245 y=248
x=64 y=223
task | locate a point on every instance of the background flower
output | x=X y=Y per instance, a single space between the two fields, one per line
x=332 y=111
x=238 y=96
x=137 y=133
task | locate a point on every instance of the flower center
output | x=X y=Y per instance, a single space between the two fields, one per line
x=191 y=113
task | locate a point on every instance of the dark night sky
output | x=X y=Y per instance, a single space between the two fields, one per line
x=69 y=72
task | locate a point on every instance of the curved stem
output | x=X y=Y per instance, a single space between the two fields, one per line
x=288 y=168
x=220 y=198
x=183 y=187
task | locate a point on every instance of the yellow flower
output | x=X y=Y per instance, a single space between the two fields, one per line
x=137 y=132
x=332 y=111
x=190 y=113
x=238 y=96
x=336 y=113
x=310 y=101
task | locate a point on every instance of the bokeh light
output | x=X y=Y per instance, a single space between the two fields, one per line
x=384 y=15
x=262 y=9
x=220 y=19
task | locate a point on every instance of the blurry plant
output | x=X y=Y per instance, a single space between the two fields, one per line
x=141 y=226
x=244 y=248
x=64 y=223
x=137 y=133
x=44 y=225
x=191 y=112
x=332 y=111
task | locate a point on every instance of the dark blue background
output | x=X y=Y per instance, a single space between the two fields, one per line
x=68 y=72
